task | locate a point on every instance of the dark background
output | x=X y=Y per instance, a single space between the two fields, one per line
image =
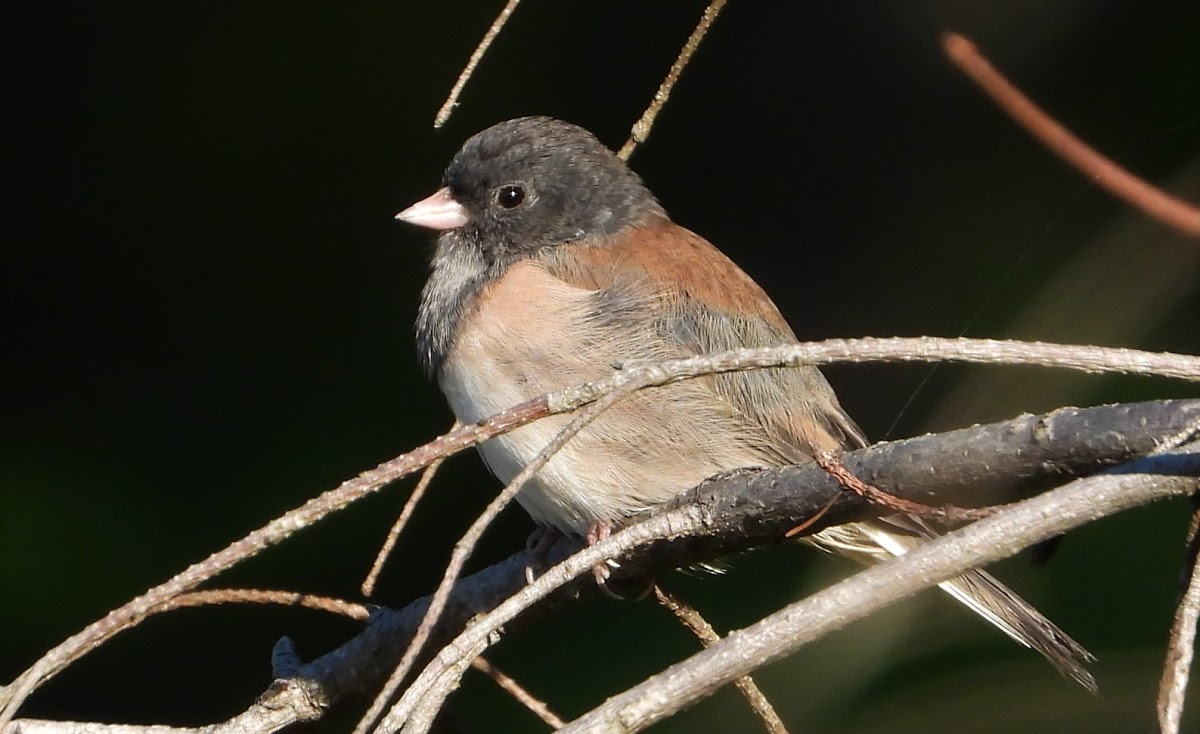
x=207 y=310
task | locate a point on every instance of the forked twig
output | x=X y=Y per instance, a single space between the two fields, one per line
x=1123 y=184
x=493 y=31
x=641 y=129
x=691 y=618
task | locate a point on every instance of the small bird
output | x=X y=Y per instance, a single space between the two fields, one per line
x=554 y=263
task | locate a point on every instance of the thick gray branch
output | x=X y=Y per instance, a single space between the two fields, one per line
x=983 y=542
x=967 y=467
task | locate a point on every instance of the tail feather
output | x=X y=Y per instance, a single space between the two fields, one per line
x=875 y=541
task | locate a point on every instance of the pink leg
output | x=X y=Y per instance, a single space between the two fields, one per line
x=598 y=531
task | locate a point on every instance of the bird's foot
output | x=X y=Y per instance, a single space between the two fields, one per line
x=538 y=545
x=597 y=532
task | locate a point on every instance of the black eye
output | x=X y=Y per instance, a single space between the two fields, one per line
x=510 y=196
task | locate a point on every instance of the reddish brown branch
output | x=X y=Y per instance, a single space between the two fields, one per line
x=1121 y=183
x=832 y=464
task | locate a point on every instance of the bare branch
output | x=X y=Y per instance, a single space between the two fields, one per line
x=983 y=542
x=466 y=545
x=697 y=519
x=691 y=618
x=517 y=691
x=286 y=703
x=410 y=505
x=274 y=532
x=211 y=597
x=641 y=128
x=1182 y=640
x=44 y=726
x=831 y=462
x=423 y=698
x=1123 y=184
x=451 y=102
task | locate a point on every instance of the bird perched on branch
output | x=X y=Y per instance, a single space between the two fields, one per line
x=553 y=263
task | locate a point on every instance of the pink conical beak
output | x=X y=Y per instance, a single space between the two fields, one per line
x=439 y=211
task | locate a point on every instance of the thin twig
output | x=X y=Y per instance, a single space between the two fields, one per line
x=426 y=693
x=213 y=597
x=466 y=545
x=641 y=129
x=811 y=521
x=1158 y=204
x=389 y=543
x=1181 y=646
x=46 y=726
x=691 y=618
x=1181 y=640
x=447 y=683
x=493 y=31
x=133 y=612
x=517 y=691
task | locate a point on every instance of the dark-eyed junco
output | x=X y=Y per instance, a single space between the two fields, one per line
x=554 y=263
